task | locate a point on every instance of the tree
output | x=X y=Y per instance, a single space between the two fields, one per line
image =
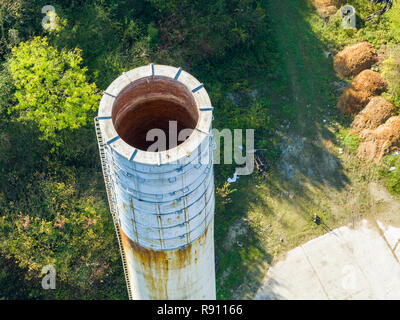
x=391 y=72
x=51 y=87
x=55 y=224
x=19 y=19
x=208 y=28
x=394 y=18
x=10 y=11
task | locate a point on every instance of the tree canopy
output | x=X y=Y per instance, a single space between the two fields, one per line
x=51 y=87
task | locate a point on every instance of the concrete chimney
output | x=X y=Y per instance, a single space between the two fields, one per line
x=162 y=201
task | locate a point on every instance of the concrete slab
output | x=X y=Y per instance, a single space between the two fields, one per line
x=392 y=236
x=279 y=285
x=397 y=251
x=343 y=264
x=376 y=259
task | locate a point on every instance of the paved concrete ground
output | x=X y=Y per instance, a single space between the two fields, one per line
x=360 y=263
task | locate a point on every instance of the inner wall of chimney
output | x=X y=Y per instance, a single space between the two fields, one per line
x=151 y=103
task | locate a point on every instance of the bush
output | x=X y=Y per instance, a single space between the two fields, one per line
x=334 y=35
x=350 y=140
x=51 y=87
x=208 y=28
x=394 y=18
x=223 y=196
x=391 y=178
x=53 y=223
x=391 y=72
x=6 y=93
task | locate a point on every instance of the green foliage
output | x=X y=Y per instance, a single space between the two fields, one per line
x=12 y=281
x=205 y=29
x=51 y=189
x=375 y=31
x=153 y=33
x=350 y=140
x=112 y=36
x=55 y=224
x=391 y=177
x=242 y=111
x=394 y=18
x=223 y=196
x=383 y=32
x=51 y=87
x=10 y=16
x=391 y=72
x=19 y=20
x=7 y=90
x=52 y=204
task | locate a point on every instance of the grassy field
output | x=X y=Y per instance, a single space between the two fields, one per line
x=266 y=65
x=318 y=171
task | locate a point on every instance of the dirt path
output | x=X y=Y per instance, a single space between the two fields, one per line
x=315 y=174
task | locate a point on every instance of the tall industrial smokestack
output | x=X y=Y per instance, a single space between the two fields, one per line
x=162 y=202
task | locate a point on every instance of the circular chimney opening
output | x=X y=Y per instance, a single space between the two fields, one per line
x=154 y=103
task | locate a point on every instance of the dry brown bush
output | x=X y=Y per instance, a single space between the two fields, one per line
x=380 y=141
x=377 y=112
x=354 y=59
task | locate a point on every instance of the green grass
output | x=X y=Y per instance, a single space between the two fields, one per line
x=335 y=37
x=284 y=61
x=391 y=177
x=276 y=213
x=350 y=140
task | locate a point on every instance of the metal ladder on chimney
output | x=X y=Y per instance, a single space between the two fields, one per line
x=112 y=202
